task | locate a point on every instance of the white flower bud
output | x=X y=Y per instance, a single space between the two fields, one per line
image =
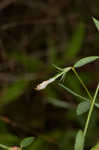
x=43 y=85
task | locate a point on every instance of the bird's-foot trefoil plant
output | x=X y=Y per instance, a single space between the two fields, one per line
x=87 y=104
x=83 y=107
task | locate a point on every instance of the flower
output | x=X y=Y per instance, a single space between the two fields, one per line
x=43 y=85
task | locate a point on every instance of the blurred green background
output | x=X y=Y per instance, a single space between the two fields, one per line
x=35 y=34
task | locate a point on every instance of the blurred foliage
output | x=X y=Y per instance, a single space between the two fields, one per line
x=35 y=34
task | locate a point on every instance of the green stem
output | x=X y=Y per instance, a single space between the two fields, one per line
x=58 y=75
x=4 y=147
x=82 y=83
x=90 y=111
x=63 y=72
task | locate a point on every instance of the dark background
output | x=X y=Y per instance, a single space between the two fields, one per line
x=35 y=34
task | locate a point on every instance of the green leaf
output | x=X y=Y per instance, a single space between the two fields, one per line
x=58 y=68
x=96 y=22
x=26 y=142
x=96 y=147
x=85 y=61
x=83 y=107
x=77 y=95
x=73 y=93
x=79 y=143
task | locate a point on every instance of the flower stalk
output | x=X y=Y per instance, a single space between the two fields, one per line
x=44 y=84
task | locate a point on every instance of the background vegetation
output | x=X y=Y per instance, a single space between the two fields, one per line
x=35 y=34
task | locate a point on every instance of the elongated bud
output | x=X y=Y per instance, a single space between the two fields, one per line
x=43 y=85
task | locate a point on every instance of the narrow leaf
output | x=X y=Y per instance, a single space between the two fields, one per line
x=96 y=22
x=77 y=95
x=58 y=68
x=26 y=142
x=73 y=93
x=79 y=143
x=83 y=107
x=85 y=61
x=65 y=70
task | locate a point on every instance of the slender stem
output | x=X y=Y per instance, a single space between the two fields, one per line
x=59 y=74
x=4 y=147
x=63 y=72
x=84 y=86
x=90 y=111
x=92 y=99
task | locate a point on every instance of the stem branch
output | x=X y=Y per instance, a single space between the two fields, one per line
x=82 y=83
x=90 y=111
